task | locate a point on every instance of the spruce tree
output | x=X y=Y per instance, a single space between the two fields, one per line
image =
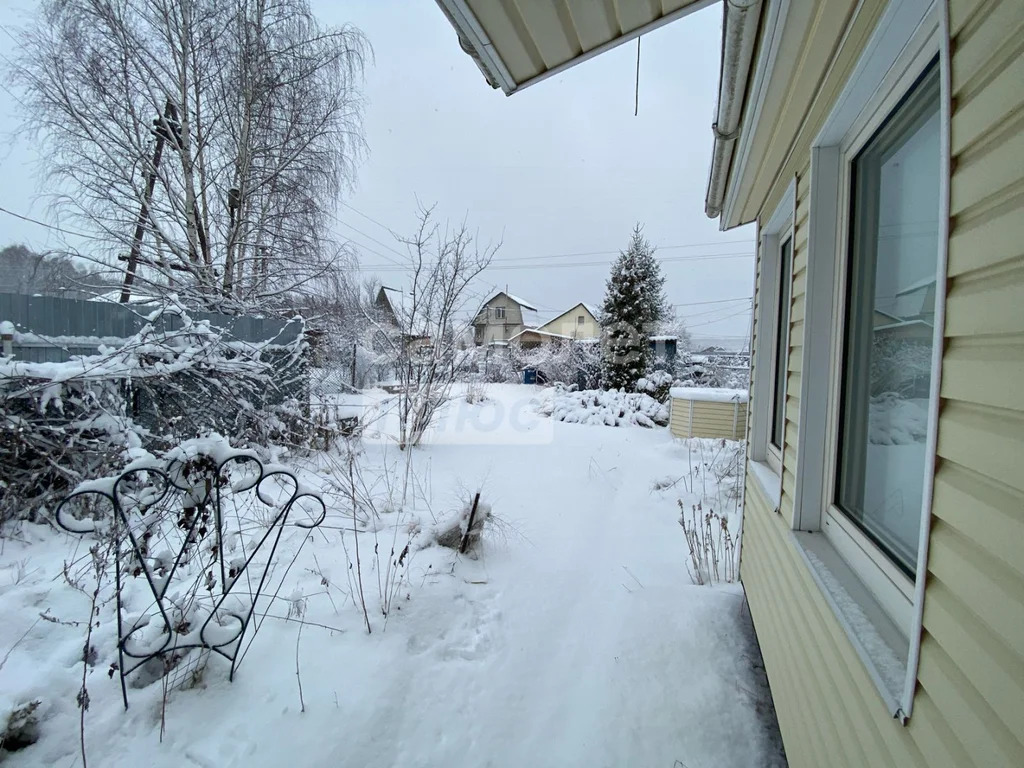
x=634 y=305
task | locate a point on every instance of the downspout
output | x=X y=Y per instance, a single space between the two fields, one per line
x=739 y=36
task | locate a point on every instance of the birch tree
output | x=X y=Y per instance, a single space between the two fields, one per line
x=444 y=261
x=203 y=144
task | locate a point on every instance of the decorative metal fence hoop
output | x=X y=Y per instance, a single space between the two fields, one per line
x=184 y=495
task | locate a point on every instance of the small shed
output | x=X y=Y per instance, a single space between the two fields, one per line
x=703 y=412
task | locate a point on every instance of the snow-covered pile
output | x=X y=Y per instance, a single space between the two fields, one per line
x=656 y=384
x=610 y=408
x=893 y=420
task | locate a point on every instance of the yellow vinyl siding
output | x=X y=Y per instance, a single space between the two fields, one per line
x=790 y=452
x=708 y=419
x=794 y=623
x=968 y=703
x=972 y=655
x=567 y=324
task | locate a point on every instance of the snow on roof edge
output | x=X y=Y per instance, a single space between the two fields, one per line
x=540 y=333
x=521 y=302
x=710 y=395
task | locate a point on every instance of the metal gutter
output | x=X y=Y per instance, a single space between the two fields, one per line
x=739 y=38
x=478 y=45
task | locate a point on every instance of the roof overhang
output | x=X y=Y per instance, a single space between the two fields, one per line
x=517 y=44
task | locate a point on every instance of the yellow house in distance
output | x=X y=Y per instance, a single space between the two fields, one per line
x=879 y=147
x=576 y=324
x=579 y=322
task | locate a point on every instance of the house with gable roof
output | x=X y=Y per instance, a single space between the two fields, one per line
x=502 y=317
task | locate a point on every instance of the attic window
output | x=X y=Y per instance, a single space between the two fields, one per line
x=580 y=320
x=499 y=313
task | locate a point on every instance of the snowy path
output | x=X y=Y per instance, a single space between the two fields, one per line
x=584 y=645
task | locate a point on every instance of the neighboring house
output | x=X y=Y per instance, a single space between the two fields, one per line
x=883 y=538
x=580 y=322
x=391 y=309
x=383 y=304
x=917 y=300
x=576 y=324
x=531 y=338
x=502 y=317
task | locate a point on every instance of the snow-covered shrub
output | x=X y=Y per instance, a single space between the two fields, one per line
x=458 y=529
x=714 y=370
x=901 y=366
x=61 y=423
x=476 y=391
x=893 y=420
x=56 y=432
x=586 y=361
x=656 y=384
x=611 y=408
x=21 y=729
x=501 y=365
x=562 y=361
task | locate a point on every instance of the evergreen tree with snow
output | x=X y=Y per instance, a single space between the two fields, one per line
x=634 y=306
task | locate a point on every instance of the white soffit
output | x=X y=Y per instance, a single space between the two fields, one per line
x=519 y=42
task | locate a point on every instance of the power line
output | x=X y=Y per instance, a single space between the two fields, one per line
x=705 y=313
x=514 y=262
x=369 y=218
x=670 y=260
x=369 y=237
x=716 y=301
x=718 y=320
x=48 y=226
x=98 y=239
x=616 y=253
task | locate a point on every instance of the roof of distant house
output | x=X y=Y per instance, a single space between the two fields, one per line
x=521 y=302
x=539 y=333
x=570 y=309
x=917 y=286
x=902 y=324
x=527 y=308
x=531 y=317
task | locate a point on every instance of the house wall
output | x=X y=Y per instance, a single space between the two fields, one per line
x=698 y=418
x=970 y=687
x=568 y=325
x=487 y=328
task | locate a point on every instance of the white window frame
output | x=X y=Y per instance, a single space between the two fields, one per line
x=910 y=34
x=499 y=313
x=766 y=456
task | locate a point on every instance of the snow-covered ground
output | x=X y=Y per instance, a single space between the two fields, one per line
x=575 y=639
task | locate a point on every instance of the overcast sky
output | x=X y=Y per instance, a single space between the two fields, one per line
x=561 y=168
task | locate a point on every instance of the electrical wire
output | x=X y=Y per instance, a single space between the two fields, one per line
x=503 y=267
x=48 y=226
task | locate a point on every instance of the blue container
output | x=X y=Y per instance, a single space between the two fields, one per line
x=529 y=375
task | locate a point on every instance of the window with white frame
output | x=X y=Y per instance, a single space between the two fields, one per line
x=888 y=334
x=773 y=343
x=780 y=350
x=873 y=315
x=499 y=313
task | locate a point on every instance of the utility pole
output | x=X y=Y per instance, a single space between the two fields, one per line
x=164 y=128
